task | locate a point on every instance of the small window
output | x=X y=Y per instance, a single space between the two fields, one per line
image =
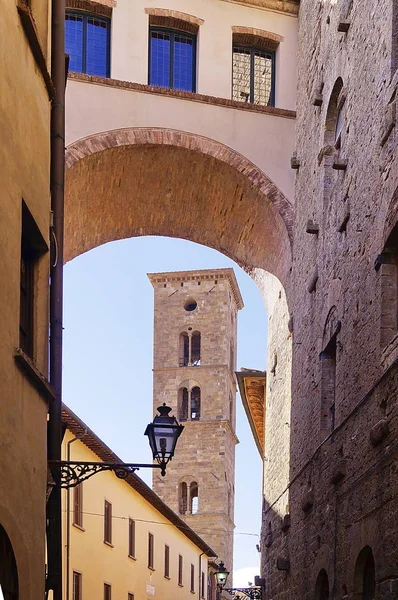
x=328 y=386
x=183 y=402
x=107 y=591
x=108 y=522
x=253 y=75
x=195 y=404
x=180 y=569
x=167 y=561
x=172 y=58
x=130 y=596
x=32 y=247
x=190 y=305
x=184 y=349
x=151 y=547
x=76 y=585
x=87 y=41
x=183 y=498
x=78 y=505
x=192 y=578
x=194 y=498
x=202 y=585
x=132 y=538
x=195 y=349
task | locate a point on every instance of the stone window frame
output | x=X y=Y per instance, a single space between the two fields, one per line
x=188 y=490
x=387 y=265
x=190 y=356
x=328 y=372
x=184 y=400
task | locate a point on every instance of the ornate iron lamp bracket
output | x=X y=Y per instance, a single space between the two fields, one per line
x=68 y=474
x=254 y=593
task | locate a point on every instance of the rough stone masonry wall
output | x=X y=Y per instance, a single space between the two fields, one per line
x=343 y=495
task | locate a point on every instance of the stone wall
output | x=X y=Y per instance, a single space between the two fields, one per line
x=342 y=483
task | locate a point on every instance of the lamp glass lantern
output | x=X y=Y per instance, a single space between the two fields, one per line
x=163 y=434
x=221 y=575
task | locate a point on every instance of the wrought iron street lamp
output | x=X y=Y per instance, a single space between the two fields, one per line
x=254 y=593
x=162 y=433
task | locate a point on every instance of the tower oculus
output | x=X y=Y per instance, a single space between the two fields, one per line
x=195 y=337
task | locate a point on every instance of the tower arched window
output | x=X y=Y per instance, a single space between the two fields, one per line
x=194 y=497
x=195 y=403
x=183 y=497
x=184 y=349
x=195 y=349
x=183 y=401
x=322 y=586
x=189 y=402
x=189 y=349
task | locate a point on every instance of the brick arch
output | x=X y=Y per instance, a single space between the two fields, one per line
x=124 y=183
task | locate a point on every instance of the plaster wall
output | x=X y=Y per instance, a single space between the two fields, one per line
x=93 y=108
x=101 y=563
x=24 y=174
x=130 y=28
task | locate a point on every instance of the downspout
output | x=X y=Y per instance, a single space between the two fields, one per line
x=57 y=170
x=200 y=573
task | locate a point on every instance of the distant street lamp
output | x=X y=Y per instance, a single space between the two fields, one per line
x=254 y=593
x=162 y=433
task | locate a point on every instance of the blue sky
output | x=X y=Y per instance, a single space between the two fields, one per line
x=107 y=363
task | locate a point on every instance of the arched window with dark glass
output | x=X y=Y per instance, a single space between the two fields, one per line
x=195 y=403
x=194 y=497
x=195 y=349
x=184 y=349
x=87 y=42
x=183 y=401
x=8 y=568
x=183 y=498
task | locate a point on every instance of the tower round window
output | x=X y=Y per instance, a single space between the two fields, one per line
x=190 y=305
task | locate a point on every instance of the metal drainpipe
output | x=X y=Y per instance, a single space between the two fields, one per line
x=200 y=573
x=54 y=519
x=68 y=518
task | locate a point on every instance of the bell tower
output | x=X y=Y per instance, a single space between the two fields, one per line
x=195 y=339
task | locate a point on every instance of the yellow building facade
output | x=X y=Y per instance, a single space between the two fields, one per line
x=120 y=540
x=25 y=104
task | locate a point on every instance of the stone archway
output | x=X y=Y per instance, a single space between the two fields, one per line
x=145 y=181
x=8 y=568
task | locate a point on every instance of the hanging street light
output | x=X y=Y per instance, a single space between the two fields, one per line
x=254 y=593
x=162 y=433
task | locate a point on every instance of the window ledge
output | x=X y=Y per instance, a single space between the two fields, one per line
x=78 y=527
x=181 y=585
x=132 y=557
x=203 y=98
x=151 y=568
x=36 y=378
x=167 y=577
x=29 y=26
x=109 y=544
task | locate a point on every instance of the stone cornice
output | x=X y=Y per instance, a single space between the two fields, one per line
x=290 y=7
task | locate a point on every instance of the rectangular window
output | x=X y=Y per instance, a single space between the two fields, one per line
x=202 y=585
x=172 y=56
x=78 y=505
x=32 y=247
x=107 y=591
x=192 y=578
x=130 y=596
x=166 y=561
x=76 y=586
x=180 y=568
x=87 y=41
x=151 y=545
x=108 y=522
x=131 y=538
x=253 y=75
x=328 y=387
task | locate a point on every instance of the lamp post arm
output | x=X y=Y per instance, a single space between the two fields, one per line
x=71 y=473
